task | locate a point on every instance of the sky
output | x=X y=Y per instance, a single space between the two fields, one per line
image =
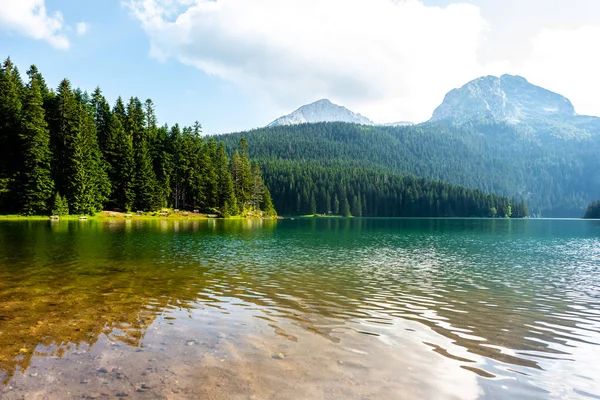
x=239 y=64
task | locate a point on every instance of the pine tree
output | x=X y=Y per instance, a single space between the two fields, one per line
x=60 y=205
x=80 y=171
x=11 y=88
x=37 y=185
x=102 y=116
x=144 y=177
x=267 y=204
x=336 y=205
x=257 y=188
x=89 y=185
x=226 y=200
x=122 y=163
x=65 y=125
x=163 y=165
x=210 y=173
x=241 y=172
x=356 y=206
x=236 y=177
x=346 y=208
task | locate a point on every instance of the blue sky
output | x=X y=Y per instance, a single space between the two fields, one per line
x=113 y=54
x=238 y=64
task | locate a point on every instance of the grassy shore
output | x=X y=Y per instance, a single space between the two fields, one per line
x=109 y=215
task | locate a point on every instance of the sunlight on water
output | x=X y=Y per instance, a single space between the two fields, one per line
x=309 y=308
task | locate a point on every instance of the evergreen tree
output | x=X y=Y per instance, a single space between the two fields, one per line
x=226 y=202
x=163 y=165
x=236 y=176
x=346 y=208
x=65 y=126
x=267 y=204
x=257 y=189
x=60 y=205
x=11 y=88
x=313 y=204
x=36 y=182
x=89 y=185
x=102 y=118
x=356 y=206
x=241 y=172
x=336 y=205
x=210 y=173
x=144 y=177
x=79 y=167
x=120 y=155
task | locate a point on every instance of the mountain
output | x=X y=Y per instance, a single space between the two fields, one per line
x=509 y=98
x=321 y=111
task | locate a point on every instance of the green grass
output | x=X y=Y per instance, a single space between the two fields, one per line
x=120 y=216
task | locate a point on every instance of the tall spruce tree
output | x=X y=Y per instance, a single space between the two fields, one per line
x=79 y=167
x=144 y=177
x=123 y=165
x=11 y=88
x=257 y=188
x=226 y=201
x=65 y=126
x=267 y=204
x=241 y=172
x=163 y=165
x=36 y=182
x=210 y=173
x=89 y=185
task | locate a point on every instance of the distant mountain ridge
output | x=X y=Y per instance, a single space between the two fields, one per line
x=508 y=99
x=321 y=111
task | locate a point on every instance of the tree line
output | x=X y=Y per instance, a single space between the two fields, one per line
x=67 y=151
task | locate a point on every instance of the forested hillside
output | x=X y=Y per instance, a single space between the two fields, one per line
x=67 y=151
x=552 y=172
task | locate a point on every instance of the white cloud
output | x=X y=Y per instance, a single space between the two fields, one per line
x=567 y=61
x=29 y=18
x=81 y=28
x=388 y=59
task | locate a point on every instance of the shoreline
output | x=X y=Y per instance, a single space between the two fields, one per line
x=106 y=215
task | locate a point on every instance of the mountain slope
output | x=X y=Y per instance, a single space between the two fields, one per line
x=555 y=177
x=508 y=98
x=321 y=111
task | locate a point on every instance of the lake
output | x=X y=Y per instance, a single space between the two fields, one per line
x=307 y=309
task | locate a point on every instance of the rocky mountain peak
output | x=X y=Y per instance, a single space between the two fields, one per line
x=321 y=111
x=509 y=98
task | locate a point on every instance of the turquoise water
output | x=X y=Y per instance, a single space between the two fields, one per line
x=328 y=308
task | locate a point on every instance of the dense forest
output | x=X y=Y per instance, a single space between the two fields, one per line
x=304 y=187
x=66 y=151
x=593 y=210
x=549 y=168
